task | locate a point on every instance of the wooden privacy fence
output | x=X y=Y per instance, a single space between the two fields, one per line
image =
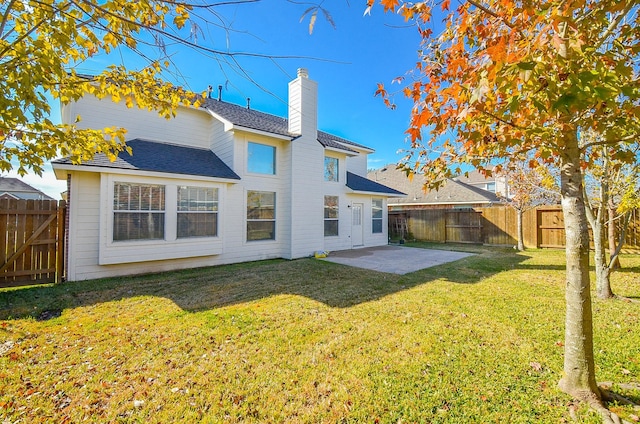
x=542 y=227
x=31 y=241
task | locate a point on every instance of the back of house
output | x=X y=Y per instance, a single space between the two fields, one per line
x=217 y=184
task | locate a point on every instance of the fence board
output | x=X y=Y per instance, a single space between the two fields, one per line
x=463 y=226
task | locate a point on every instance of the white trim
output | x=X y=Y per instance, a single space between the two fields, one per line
x=375 y=193
x=441 y=203
x=260 y=132
x=138 y=173
x=344 y=152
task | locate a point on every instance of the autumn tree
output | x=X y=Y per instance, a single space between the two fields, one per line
x=43 y=43
x=612 y=188
x=506 y=79
x=528 y=187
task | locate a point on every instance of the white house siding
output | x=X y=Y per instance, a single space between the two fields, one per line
x=222 y=143
x=357 y=164
x=307 y=197
x=190 y=127
x=307 y=169
x=371 y=239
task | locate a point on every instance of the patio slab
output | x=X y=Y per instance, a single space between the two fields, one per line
x=394 y=259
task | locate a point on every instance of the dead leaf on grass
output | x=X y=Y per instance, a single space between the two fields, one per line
x=537 y=366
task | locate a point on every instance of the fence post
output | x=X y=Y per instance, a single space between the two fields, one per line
x=60 y=237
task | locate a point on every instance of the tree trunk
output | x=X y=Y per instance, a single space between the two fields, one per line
x=519 y=214
x=612 y=234
x=603 y=282
x=579 y=368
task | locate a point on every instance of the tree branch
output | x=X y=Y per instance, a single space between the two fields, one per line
x=614 y=24
x=194 y=45
x=613 y=256
x=491 y=12
x=4 y=18
x=609 y=142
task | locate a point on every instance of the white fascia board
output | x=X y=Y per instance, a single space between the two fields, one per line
x=486 y=202
x=260 y=132
x=375 y=193
x=361 y=149
x=344 y=152
x=135 y=172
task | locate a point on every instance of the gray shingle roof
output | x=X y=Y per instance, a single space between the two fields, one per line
x=162 y=157
x=450 y=192
x=21 y=190
x=358 y=183
x=253 y=119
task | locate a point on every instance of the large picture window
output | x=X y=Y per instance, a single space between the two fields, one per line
x=138 y=211
x=261 y=215
x=330 y=216
x=261 y=158
x=376 y=216
x=197 y=212
x=330 y=169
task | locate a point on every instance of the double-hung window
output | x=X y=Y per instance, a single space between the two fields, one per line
x=261 y=158
x=330 y=216
x=197 y=212
x=138 y=211
x=376 y=215
x=261 y=215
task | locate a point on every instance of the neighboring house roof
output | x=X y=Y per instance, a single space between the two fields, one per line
x=163 y=157
x=475 y=177
x=254 y=120
x=17 y=189
x=452 y=192
x=358 y=183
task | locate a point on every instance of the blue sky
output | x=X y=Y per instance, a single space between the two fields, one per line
x=347 y=62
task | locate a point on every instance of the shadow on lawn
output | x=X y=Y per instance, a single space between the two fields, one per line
x=197 y=289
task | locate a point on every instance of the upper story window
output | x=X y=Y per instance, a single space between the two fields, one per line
x=197 y=212
x=261 y=215
x=261 y=158
x=491 y=187
x=330 y=169
x=138 y=211
x=376 y=215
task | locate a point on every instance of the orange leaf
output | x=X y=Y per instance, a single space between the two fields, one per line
x=390 y=5
x=445 y=5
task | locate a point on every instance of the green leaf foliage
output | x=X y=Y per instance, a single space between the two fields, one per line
x=42 y=44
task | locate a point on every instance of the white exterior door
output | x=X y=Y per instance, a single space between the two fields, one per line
x=356 y=225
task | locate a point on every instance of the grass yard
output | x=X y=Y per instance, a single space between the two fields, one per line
x=479 y=340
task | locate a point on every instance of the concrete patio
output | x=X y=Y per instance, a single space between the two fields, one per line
x=394 y=259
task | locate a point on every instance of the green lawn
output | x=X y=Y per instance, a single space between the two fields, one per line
x=478 y=340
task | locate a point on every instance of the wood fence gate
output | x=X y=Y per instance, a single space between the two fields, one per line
x=31 y=241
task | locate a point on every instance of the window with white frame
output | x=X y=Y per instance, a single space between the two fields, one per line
x=261 y=158
x=197 y=212
x=261 y=215
x=330 y=169
x=138 y=211
x=376 y=215
x=330 y=216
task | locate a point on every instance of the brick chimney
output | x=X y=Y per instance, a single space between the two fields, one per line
x=303 y=105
